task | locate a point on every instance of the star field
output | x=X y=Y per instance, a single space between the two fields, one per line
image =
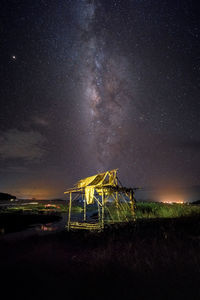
x=93 y=85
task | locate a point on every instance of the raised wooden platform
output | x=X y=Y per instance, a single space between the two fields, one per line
x=85 y=226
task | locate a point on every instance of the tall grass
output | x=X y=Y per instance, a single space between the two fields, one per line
x=161 y=210
x=151 y=210
x=143 y=210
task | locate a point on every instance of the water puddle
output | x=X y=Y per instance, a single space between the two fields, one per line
x=11 y=231
x=42 y=229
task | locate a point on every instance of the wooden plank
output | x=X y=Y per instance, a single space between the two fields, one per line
x=86 y=226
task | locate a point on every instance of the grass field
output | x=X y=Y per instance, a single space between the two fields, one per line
x=152 y=210
x=144 y=210
x=162 y=210
x=155 y=257
x=16 y=218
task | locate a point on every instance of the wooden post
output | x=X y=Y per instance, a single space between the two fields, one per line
x=99 y=213
x=117 y=205
x=132 y=203
x=70 y=207
x=103 y=210
x=85 y=209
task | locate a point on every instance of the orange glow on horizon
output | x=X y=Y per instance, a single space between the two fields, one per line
x=172 y=199
x=36 y=193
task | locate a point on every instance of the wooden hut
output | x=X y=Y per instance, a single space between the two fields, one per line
x=102 y=189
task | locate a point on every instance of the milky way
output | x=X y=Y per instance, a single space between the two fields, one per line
x=87 y=86
x=106 y=89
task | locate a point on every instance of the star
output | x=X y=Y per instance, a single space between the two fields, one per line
x=99 y=85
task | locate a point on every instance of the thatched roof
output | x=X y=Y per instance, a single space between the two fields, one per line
x=102 y=183
x=102 y=179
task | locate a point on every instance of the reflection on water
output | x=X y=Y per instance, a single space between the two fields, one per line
x=2 y=230
x=60 y=225
x=40 y=228
x=46 y=227
x=51 y=227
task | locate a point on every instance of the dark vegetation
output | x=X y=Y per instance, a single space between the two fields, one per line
x=152 y=258
x=5 y=196
x=196 y=202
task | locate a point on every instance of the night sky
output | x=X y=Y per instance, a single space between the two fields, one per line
x=87 y=86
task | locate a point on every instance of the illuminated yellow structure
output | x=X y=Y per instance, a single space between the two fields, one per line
x=102 y=189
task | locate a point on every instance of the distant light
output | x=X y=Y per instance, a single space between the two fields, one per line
x=172 y=200
x=14 y=57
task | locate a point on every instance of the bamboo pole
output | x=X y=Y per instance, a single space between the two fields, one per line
x=126 y=204
x=70 y=206
x=103 y=210
x=132 y=203
x=117 y=205
x=97 y=201
x=99 y=213
x=123 y=211
x=98 y=205
x=85 y=204
x=109 y=213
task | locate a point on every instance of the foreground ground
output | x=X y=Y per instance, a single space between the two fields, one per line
x=147 y=259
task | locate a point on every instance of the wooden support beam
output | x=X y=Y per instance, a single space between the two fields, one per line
x=99 y=205
x=85 y=206
x=132 y=203
x=117 y=205
x=127 y=206
x=122 y=210
x=99 y=212
x=70 y=207
x=110 y=213
x=97 y=200
x=103 y=209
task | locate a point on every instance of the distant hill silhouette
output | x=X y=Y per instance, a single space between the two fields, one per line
x=196 y=202
x=5 y=196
